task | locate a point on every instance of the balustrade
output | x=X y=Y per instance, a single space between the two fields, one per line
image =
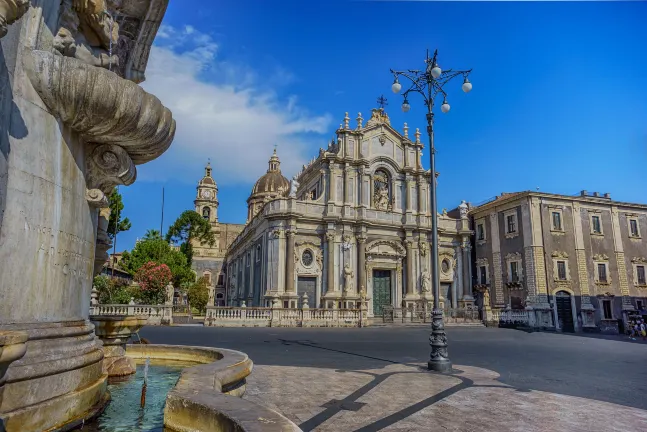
x=157 y=314
x=282 y=317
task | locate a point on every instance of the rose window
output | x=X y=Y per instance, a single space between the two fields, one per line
x=306 y=258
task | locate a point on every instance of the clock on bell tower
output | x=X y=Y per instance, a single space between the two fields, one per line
x=206 y=202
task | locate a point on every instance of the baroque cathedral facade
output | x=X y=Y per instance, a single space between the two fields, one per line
x=354 y=224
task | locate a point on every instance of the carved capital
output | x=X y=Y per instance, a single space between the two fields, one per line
x=361 y=238
x=330 y=236
x=108 y=166
x=408 y=244
x=10 y=12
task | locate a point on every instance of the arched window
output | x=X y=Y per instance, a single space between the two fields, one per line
x=382 y=194
x=207 y=276
x=206 y=213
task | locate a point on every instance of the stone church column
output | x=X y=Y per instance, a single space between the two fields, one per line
x=331 y=262
x=466 y=248
x=289 y=262
x=410 y=277
x=361 y=262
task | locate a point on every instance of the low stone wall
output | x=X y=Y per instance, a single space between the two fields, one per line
x=207 y=396
x=282 y=317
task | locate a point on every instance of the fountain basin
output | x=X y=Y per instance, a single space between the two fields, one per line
x=115 y=331
x=207 y=397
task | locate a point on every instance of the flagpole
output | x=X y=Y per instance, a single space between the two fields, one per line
x=162 y=222
x=114 y=246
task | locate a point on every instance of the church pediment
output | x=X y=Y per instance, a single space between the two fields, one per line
x=385 y=248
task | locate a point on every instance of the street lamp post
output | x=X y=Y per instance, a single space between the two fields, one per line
x=429 y=83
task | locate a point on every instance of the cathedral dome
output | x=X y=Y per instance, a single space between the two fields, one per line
x=272 y=182
x=270 y=186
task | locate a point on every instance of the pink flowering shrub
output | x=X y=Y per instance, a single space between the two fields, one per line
x=153 y=279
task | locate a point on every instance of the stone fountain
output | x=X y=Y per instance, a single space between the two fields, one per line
x=115 y=331
x=74 y=123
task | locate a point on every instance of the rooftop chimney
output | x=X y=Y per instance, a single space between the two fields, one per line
x=607 y=195
x=595 y=194
x=583 y=193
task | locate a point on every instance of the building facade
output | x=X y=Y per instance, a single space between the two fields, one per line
x=354 y=223
x=576 y=262
x=208 y=260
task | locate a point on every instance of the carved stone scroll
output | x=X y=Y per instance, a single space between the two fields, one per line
x=109 y=166
x=102 y=107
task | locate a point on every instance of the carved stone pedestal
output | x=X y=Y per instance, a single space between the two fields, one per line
x=588 y=318
x=114 y=332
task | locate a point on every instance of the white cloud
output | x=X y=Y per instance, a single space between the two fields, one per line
x=223 y=112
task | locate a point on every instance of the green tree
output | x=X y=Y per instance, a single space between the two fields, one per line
x=152 y=235
x=116 y=223
x=188 y=227
x=198 y=294
x=154 y=248
x=153 y=279
x=114 y=290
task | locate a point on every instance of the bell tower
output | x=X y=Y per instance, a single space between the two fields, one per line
x=206 y=201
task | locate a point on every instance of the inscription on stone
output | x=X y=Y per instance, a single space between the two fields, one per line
x=69 y=262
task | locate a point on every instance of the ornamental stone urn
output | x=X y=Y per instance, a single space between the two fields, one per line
x=115 y=331
x=74 y=123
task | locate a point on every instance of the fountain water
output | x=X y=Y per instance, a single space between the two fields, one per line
x=143 y=397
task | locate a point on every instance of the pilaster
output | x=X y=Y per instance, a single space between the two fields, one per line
x=497 y=272
x=537 y=302
x=588 y=310
x=620 y=261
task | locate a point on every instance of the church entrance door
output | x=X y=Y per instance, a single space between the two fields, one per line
x=381 y=291
x=564 y=311
x=308 y=285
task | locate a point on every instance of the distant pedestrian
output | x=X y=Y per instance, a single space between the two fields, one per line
x=636 y=331
x=643 y=329
x=632 y=330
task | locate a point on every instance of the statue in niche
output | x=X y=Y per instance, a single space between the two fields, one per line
x=426 y=282
x=88 y=32
x=382 y=199
x=348 y=278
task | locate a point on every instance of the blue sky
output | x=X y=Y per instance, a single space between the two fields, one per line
x=559 y=100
